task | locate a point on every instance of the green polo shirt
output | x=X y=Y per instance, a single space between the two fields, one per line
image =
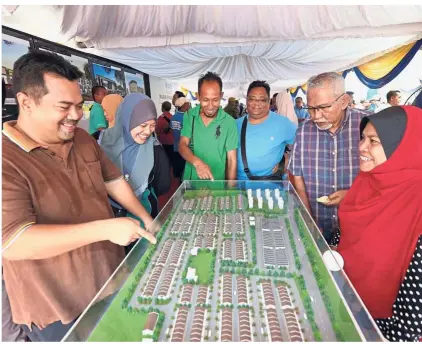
x=210 y=143
x=96 y=118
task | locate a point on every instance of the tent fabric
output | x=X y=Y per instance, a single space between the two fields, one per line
x=381 y=71
x=147 y=26
x=284 y=45
x=252 y=61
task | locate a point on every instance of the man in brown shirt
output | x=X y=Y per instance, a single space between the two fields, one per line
x=60 y=240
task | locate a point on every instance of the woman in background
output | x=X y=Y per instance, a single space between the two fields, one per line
x=285 y=106
x=110 y=105
x=380 y=236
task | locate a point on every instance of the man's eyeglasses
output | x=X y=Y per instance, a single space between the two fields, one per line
x=323 y=108
x=260 y=101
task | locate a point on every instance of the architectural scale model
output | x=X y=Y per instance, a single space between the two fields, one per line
x=230 y=265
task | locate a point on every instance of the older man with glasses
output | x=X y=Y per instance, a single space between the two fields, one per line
x=325 y=157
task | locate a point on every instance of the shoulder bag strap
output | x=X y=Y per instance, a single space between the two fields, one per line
x=191 y=143
x=243 y=147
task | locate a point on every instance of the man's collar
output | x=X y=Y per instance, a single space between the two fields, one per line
x=23 y=141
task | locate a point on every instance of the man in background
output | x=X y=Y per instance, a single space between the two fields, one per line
x=97 y=120
x=301 y=113
x=351 y=100
x=164 y=132
x=177 y=124
x=176 y=95
x=273 y=104
x=231 y=108
x=393 y=99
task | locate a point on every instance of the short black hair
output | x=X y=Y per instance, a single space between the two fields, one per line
x=350 y=93
x=95 y=89
x=392 y=94
x=299 y=98
x=259 y=83
x=179 y=94
x=275 y=95
x=29 y=71
x=3 y=92
x=166 y=106
x=210 y=77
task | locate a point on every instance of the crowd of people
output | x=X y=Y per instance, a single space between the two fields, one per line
x=73 y=201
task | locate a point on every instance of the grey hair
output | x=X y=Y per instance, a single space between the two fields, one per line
x=333 y=80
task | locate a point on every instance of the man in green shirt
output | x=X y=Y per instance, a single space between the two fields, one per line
x=209 y=136
x=97 y=120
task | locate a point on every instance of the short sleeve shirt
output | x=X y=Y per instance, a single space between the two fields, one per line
x=176 y=126
x=301 y=113
x=265 y=144
x=97 y=119
x=165 y=136
x=210 y=143
x=41 y=187
x=327 y=162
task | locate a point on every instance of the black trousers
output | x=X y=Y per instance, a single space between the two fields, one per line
x=179 y=165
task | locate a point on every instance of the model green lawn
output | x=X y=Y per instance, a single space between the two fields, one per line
x=341 y=321
x=189 y=194
x=203 y=263
x=117 y=324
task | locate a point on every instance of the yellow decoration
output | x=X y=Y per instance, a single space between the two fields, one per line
x=184 y=90
x=381 y=66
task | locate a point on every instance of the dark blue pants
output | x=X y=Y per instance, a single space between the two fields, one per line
x=52 y=333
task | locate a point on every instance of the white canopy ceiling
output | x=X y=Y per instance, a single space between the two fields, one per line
x=284 y=45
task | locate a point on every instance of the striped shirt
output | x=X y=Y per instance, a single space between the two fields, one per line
x=327 y=162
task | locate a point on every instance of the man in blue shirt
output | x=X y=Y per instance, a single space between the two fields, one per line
x=177 y=124
x=301 y=113
x=267 y=134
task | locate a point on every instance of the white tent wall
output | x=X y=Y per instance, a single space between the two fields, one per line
x=161 y=91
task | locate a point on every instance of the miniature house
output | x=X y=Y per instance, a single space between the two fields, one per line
x=191 y=275
x=150 y=324
x=194 y=251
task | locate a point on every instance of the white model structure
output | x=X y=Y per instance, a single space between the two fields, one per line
x=250 y=202
x=270 y=203
x=280 y=202
x=191 y=275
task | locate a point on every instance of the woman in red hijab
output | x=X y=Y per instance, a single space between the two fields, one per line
x=381 y=222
